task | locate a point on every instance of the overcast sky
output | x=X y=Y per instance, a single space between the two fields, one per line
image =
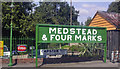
x=79 y=0
x=88 y=8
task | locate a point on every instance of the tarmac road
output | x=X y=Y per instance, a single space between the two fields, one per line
x=75 y=64
x=84 y=64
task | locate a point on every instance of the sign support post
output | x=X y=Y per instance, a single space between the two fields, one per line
x=105 y=52
x=105 y=47
x=36 y=44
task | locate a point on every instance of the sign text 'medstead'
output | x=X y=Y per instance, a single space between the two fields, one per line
x=69 y=34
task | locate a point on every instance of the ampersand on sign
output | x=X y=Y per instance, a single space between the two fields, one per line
x=44 y=38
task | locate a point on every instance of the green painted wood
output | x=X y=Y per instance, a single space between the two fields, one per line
x=44 y=30
x=36 y=44
x=51 y=34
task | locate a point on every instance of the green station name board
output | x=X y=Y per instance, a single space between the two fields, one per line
x=70 y=34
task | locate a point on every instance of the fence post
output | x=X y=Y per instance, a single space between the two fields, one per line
x=15 y=44
x=32 y=51
x=119 y=55
x=114 y=55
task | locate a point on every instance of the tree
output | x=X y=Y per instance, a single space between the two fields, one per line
x=88 y=21
x=81 y=24
x=55 y=13
x=21 y=17
x=25 y=20
x=0 y=22
x=114 y=7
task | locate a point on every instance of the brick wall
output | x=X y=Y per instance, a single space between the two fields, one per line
x=27 y=60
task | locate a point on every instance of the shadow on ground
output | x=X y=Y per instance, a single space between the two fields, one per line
x=69 y=59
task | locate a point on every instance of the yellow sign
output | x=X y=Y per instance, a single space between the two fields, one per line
x=1 y=48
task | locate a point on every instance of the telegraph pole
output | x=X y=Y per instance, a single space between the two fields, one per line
x=10 y=61
x=70 y=12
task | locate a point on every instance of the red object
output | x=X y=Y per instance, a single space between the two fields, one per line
x=1 y=48
x=21 y=48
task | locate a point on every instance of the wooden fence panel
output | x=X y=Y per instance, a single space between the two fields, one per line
x=113 y=42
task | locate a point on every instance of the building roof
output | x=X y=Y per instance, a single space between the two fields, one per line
x=111 y=17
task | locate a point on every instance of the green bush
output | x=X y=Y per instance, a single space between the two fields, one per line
x=76 y=48
x=65 y=46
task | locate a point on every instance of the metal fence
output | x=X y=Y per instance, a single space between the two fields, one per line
x=19 y=40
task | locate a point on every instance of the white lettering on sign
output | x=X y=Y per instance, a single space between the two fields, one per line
x=72 y=31
x=52 y=30
x=84 y=38
x=51 y=37
x=57 y=37
x=93 y=38
x=69 y=34
x=77 y=37
x=65 y=31
x=44 y=38
x=99 y=38
x=83 y=31
x=94 y=31
x=89 y=32
x=21 y=47
x=78 y=30
x=89 y=38
x=59 y=31
x=63 y=38
x=69 y=37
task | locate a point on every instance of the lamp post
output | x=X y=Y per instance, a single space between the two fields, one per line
x=10 y=62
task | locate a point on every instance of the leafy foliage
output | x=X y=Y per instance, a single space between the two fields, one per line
x=76 y=48
x=88 y=21
x=55 y=13
x=87 y=49
x=25 y=18
x=21 y=16
x=65 y=47
x=114 y=7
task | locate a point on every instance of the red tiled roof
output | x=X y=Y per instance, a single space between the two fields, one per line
x=111 y=17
